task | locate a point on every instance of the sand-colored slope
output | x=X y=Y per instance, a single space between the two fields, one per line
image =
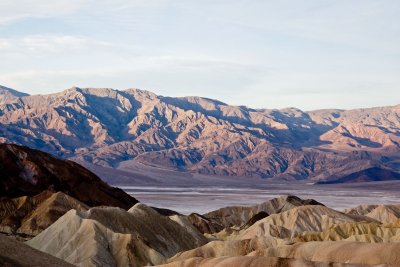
x=360 y=209
x=298 y=220
x=228 y=248
x=243 y=261
x=360 y=232
x=282 y=235
x=115 y=237
x=31 y=215
x=237 y=216
x=342 y=252
x=387 y=214
x=354 y=231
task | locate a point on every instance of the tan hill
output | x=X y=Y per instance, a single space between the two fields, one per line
x=294 y=234
x=108 y=236
x=297 y=221
x=28 y=172
x=361 y=209
x=311 y=235
x=113 y=128
x=237 y=216
x=225 y=248
x=17 y=254
x=251 y=261
x=29 y=216
x=358 y=253
x=386 y=214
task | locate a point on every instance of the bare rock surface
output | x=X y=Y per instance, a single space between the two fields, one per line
x=28 y=216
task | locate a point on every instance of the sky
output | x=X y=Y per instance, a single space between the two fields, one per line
x=308 y=54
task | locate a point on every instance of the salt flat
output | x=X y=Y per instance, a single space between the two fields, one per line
x=188 y=192
x=204 y=199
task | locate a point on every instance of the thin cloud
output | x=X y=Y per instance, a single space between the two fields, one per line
x=40 y=45
x=14 y=11
x=257 y=53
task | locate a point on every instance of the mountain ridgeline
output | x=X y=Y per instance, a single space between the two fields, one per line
x=115 y=128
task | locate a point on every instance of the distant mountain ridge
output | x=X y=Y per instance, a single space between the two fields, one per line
x=8 y=94
x=114 y=128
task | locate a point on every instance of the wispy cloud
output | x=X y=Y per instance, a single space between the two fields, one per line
x=13 y=11
x=258 y=53
x=38 y=45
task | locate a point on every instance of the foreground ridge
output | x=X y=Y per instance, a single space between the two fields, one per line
x=294 y=234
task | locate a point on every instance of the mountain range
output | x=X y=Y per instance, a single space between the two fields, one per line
x=117 y=128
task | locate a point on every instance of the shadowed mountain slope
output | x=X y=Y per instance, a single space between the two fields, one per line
x=366 y=175
x=28 y=172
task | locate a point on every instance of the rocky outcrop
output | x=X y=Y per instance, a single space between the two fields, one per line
x=28 y=216
x=108 y=127
x=28 y=172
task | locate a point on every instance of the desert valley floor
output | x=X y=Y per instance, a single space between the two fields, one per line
x=201 y=199
x=187 y=192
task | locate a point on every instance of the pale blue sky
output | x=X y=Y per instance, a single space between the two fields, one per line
x=264 y=54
